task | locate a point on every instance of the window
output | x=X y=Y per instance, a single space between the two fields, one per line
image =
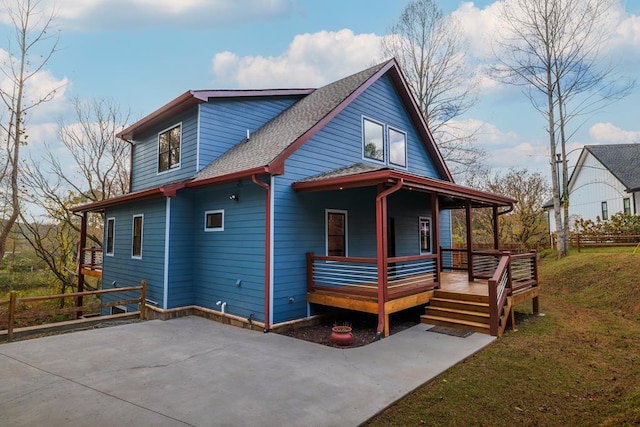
x=336 y=226
x=397 y=148
x=136 y=246
x=214 y=220
x=169 y=148
x=425 y=235
x=118 y=309
x=373 y=140
x=627 y=206
x=111 y=225
x=605 y=211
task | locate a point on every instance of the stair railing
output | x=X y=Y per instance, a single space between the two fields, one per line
x=499 y=289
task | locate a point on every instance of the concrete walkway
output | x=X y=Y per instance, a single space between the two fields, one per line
x=195 y=372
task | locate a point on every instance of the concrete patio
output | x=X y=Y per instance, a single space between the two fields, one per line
x=195 y=372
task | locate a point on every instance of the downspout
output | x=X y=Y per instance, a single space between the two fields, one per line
x=267 y=252
x=381 y=240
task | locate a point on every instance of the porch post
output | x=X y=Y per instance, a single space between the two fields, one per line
x=435 y=248
x=469 y=239
x=496 y=237
x=81 y=247
x=381 y=251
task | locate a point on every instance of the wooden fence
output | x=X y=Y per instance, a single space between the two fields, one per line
x=10 y=316
x=581 y=240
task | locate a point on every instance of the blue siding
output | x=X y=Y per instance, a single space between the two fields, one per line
x=181 y=267
x=145 y=154
x=126 y=271
x=339 y=144
x=224 y=122
x=221 y=258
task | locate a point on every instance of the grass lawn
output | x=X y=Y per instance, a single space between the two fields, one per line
x=578 y=365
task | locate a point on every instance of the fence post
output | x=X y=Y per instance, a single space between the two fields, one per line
x=578 y=237
x=12 y=314
x=143 y=299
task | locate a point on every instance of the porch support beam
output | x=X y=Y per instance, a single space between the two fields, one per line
x=81 y=247
x=496 y=237
x=435 y=217
x=382 y=255
x=469 y=221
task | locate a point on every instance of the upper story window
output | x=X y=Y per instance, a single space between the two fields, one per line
x=169 y=148
x=384 y=144
x=136 y=244
x=111 y=229
x=626 y=206
x=373 y=140
x=397 y=147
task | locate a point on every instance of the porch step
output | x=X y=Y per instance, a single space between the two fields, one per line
x=458 y=314
x=460 y=297
x=457 y=304
x=455 y=323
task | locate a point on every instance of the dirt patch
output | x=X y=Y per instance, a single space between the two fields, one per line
x=364 y=326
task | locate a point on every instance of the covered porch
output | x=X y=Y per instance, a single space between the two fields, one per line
x=386 y=283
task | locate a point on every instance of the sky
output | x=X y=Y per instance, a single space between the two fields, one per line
x=144 y=53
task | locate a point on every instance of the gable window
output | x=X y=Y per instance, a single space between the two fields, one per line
x=373 y=140
x=397 y=147
x=111 y=228
x=169 y=148
x=214 y=220
x=605 y=211
x=136 y=245
x=627 y=206
x=336 y=229
x=425 y=235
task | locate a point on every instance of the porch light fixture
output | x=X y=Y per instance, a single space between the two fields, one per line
x=234 y=197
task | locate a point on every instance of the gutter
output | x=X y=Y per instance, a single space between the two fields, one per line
x=381 y=232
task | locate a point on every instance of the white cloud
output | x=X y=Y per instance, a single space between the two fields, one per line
x=311 y=60
x=95 y=15
x=609 y=133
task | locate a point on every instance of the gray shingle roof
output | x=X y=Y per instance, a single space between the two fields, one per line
x=622 y=160
x=355 y=169
x=269 y=141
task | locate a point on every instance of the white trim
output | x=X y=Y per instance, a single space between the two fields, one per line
x=113 y=239
x=167 y=233
x=420 y=219
x=406 y=147
x=213 y=229
x=158 y=171
x=197 y=140
x=384 y=142
x=346 y=230
x=121 y=307
x=133 y=225
x=271 y=246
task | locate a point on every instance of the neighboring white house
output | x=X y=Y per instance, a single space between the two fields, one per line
x=605 y=181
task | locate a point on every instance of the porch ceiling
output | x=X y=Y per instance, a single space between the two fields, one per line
x=450 y=195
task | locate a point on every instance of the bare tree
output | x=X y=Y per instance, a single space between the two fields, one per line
x=553 y=49
x=94 y=167
x=28 y=50
x=431 y=53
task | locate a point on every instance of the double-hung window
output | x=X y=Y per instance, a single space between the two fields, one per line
x=336 y=229
x=169 y=148
x=425 y=235
x=136 y=244
x=605 y=211
x=111 y=230
x=626 y=203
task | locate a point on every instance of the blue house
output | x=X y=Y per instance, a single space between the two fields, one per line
x=263 y=205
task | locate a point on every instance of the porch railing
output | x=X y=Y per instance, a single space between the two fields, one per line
x=354 y=275
x=91 y=259
x=499 y=290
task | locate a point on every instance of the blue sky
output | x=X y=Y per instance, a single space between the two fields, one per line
x=144 y=53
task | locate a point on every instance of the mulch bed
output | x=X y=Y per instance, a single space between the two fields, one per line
x=364 y=326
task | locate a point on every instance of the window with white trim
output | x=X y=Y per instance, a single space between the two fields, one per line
x=425 y=235
x=169 y=148
x=626 y=203
x=336 y=232
x=373 y=140
x=397 y=148
x=214 y=220
x=136 y=244
x=111 y=230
